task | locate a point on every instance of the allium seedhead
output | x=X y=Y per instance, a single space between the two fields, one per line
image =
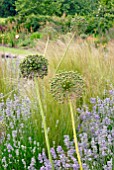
x=67 y=85
x=34 y=66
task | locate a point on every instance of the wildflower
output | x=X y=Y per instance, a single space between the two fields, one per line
x=17 y=36
x=9 y=148
x=14 y=133
x=31 y=167
x=93 y=100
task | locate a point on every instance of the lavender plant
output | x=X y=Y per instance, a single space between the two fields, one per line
x=20 y=150
x=97 y=133
x=67 y=86
x=63 y=157
x=96 y=140
x=17 y=147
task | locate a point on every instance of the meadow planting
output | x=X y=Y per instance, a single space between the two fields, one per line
x=57 y=110
x=56 y=85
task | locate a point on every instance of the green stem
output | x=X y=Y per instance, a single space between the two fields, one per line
x=75 y=136
x=44 y=123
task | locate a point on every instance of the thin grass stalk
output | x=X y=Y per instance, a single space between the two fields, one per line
x=62 y=58
x=47 y=43
x=8 y=94
x=75 y=136
x=44 y=122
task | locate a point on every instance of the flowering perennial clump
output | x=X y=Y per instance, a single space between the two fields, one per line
x=34 y=66
x=97 y=134
x=67 y=85
x=20 y=150
x=13 y=112
x=96 y=140
x=63 y=158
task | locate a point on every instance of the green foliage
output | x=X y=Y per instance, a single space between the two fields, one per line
x=41 y=7
x=94 y=24
x=25 y=43
x=98 y=25
x=81 y=16
x=79 y=24
x=52 y=7
x=3 y=39
x=11 y=39
x=67 y=85
x=81 y=7
x=111 y=33
x=35 y=35
x=7 y=8
x=50 y=32
x=8 y=38
x=102 y=18
x=2 y=21
x=34 y=22
x=34 y=66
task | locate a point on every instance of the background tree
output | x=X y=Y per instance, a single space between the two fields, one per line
x=41 y=7
x=55 y=7
x=81 y=7
x=7 y=8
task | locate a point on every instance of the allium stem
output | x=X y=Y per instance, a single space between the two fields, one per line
x=44 y=123
x=75 y=136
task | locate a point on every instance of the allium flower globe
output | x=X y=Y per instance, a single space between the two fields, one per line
x=34 y=66
x=67 y=85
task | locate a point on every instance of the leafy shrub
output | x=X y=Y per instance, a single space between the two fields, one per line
x=35 y=21
x=34 y=66
x=49 y=31
x=97 y=25
x=35 y=35
x=27 y=42
x=92 y=24
x=61 y=24
x=83 y=36
x=111 y=33
x=8 y=38
x=78 y=24
x=10 y=19
x=3 y=39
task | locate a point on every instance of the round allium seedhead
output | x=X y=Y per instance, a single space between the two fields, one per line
x=67 y=85
x=34 y=66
